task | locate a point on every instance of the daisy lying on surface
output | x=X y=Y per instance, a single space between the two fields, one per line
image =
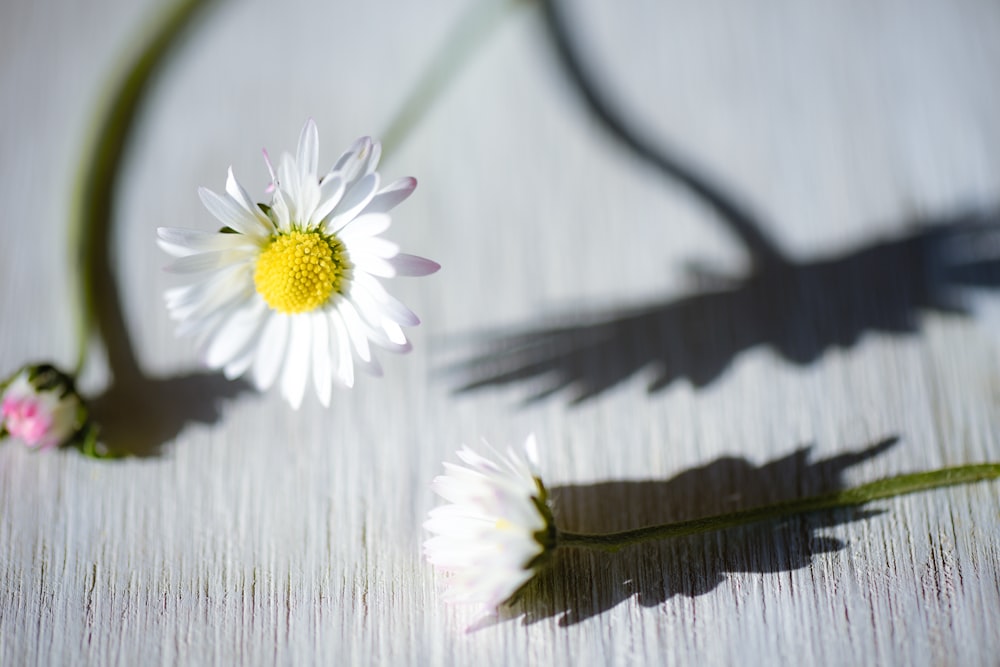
x=292 y=288
x=497 y=530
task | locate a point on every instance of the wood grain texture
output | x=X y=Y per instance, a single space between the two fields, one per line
x=586 y=295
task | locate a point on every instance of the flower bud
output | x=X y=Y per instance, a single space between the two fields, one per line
x=40 y=407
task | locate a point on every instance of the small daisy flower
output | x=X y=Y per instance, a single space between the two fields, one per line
x=293 y=288
x=40 y=407
x=498 y=529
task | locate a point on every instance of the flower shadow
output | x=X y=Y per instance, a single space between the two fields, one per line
x=580 y=584
x=138 y=416
x=798 y=308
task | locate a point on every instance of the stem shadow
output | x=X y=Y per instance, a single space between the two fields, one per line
x=581 y=584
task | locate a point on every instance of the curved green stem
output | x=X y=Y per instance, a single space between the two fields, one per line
x=92 y=206
x=471 y=32
x=859 y=495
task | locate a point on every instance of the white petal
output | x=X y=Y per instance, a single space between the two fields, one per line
x=234 y=280
x=330 y=192
x=295 y=375
x=355 y=199
x=355 y=328
x=374 y=155
x=242 y=197
x=289 y=177
x=241 y=363
x=204 y=261
x=368 y=224
x=308 y=151
x=203 y=328
x=271 y=351
x=531 y=450
x=241 y=329
x=395 y=334
x=354 y=161
x=322 y=366
x=373 y=312
x=391 y=307
x=182 y=242
x=373 y=245
x=281 y=210
x=374 y=265
x=309 y=198
x=232 y=215
x=345 y=360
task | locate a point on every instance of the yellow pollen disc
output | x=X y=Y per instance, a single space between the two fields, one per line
x=300 y=271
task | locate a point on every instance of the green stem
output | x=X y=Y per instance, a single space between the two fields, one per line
x=472 y=31
x=92 y=206
x=859 y=495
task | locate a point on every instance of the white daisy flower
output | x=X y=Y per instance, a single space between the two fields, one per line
x=293 y=288
x=498 y=529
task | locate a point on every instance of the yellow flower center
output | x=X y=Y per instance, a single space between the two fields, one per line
x=300 y=271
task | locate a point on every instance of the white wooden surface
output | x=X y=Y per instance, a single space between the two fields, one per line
x=272 y=537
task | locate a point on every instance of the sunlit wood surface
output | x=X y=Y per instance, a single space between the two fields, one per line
x=769 y=270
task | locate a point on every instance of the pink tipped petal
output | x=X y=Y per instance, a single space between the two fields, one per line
x=411 y=265
x=391 y=195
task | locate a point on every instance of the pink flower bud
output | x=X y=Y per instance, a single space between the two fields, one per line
x=40 y=408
